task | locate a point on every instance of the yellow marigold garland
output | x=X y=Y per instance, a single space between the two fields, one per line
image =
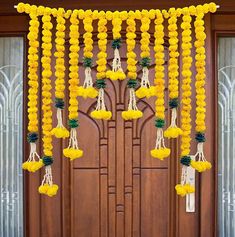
x=200 y=163
x=173 y=131
x=87 y=90
x=34 y=162
x=72 y=151
x=160 y=150
x=117 y=71
x=145 y=89
x=47 y=187
x=133 y=112
x=60 y=131
x=100 y=111
x=184 y=187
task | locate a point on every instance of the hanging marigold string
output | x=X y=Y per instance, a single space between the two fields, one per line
x=133 y=112
x=173 y=131
x=34 y=162
x=100 y=111
x=184 y=187
x=160 y=151
x=117 y=72
x=47 y=187
x=200 y=163
x=145 y=89
x=72 y=151
x=60 y=131
x=87 y=90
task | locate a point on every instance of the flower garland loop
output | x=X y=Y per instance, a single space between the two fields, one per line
x=60 y=131
x=72 y=151
x=173 y=131
x=87 y=90
x=100 y=111
x=133 y=112
x=145 y=89
x=160 y=151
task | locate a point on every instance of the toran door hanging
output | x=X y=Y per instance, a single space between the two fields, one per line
x=40 y=24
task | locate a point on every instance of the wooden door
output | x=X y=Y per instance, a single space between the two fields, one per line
x=117 y=189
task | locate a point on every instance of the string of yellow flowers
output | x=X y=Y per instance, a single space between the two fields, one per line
x=87 y=90
x=34 y=162
x=60 y=131
x=173 y=131
x=47 y=187
x=145 y=89
x=72 y=151
x=184 y=187
x=133 y=112
x=160 y=151
x=100 y=111
x=199 y=162
x=117 y=71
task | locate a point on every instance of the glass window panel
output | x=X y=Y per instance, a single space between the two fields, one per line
x=11 y=105
x=226 y=136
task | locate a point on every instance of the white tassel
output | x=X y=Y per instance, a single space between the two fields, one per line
x=47 y=179
x=73 y=142
x=200 y=153
x=88 y=78
x=116 y=65
x=132 y=102
x=160 y=143
x=145 y=78
x=100 y=100
x=173 y=117
x=184 y=173
x=33 y=155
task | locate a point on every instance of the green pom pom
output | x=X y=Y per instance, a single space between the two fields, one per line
x=159 y=123
x=200 y=137
x=87 y=62
x=32 y=137
x=59 y=103
x=116 y=43
x=185 y=160
x=47 y=160
x=132 y=83
x=145 y=62
x=100 y=83
x=174 y=103
x=73 y=123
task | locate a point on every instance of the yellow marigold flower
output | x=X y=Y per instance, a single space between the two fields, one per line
x=160 y=153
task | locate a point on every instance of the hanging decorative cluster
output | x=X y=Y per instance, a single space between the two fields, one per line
x=95 y=88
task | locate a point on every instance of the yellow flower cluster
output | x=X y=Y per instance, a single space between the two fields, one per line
x=173 y=132
x=32 y=166
x=160 y=153
x=201 y=166
x=102 y=44
x=186 y=88
x=72 y=153
x=101 y=114
x=32 y=73
x=130 y=42
x=87 y=90
x=145 y=37
x=49 y=190
x=59 y=54
x=73 y=68
x=131 y=114
x=159 y=68
x=60 y=132
x=46 y=81
x=201 y=73
x=182 y=190
x=116 y=72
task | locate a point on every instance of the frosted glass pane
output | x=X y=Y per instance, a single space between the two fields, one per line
x=226 y=135
x=11 y=101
